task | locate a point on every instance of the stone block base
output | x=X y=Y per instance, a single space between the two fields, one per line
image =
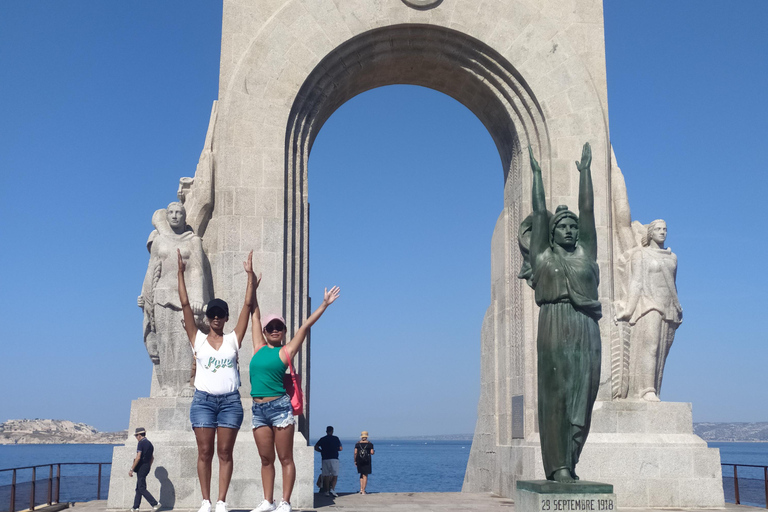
x=547 y=496
x=173 y=478
x=646 y=450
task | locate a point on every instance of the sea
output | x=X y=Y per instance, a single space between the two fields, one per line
x=398 y=466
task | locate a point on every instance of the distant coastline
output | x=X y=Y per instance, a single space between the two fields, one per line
x=732 y=432
x=43 y=431
x=40 y=431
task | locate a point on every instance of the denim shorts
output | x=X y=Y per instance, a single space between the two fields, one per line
x=277 y=413
x=211 y=411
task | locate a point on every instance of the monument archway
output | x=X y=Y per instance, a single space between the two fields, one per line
x=534 y=74
x=432 y=57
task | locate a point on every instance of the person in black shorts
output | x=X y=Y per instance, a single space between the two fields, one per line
x=141 y=465
x=363 y=453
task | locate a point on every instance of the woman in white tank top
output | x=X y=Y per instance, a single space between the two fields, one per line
x=216 y=407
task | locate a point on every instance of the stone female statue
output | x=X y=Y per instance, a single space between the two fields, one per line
x=652 y=310
x=564 y=275
x=164 y=334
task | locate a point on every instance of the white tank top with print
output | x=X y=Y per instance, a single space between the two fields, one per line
x=217 y=370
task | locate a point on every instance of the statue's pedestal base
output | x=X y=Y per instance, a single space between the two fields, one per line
x=173 y=478
x=648 y=451
x=548 y=496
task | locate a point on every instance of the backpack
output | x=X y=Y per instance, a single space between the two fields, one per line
x=363 y=453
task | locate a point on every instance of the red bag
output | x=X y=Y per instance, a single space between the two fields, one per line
x=292 y=385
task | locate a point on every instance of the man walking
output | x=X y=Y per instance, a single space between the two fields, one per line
x=141 y=465
x=329 y=447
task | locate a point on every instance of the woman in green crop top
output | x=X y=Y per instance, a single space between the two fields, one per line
x=273 y=423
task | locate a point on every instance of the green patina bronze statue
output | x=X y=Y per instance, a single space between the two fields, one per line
x=562 y=269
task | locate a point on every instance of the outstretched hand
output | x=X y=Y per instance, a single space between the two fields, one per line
x=586 y=158
x=330 y=296
x=248 y=263
x=182 y=265
x=534 y=164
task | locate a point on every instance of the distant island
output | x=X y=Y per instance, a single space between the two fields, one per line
x=39 y=431
x=732 y=432
x=56 y=432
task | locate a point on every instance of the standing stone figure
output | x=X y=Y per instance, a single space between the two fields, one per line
x=652 y=310
x=164 y=334
x=564 y=275
x=647 y=309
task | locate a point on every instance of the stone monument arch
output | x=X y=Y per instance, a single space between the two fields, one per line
x=281 y=78
x=534 y=73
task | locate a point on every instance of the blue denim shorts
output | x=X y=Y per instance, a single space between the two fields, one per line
x=277 y=413
x=211 y=411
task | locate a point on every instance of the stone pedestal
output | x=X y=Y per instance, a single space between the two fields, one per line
x=648 y=451
x=173 y=478
x=547 y=496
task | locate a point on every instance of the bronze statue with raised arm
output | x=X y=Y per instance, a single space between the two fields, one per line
x=564 y=275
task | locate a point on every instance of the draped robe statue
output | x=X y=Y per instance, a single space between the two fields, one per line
x=652 y=310
x=164 y=335
x=648 y=311
x=560 y=264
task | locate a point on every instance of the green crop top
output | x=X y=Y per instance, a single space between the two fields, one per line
x=267 y=370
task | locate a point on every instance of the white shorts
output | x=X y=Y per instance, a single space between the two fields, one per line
x=330 y=467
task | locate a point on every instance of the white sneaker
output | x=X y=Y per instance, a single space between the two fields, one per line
x=134 y=510
x=333 y=493
x=221 y=506
x=205 y=507
x=157 y=507
x=265 y=506
x=284 y=507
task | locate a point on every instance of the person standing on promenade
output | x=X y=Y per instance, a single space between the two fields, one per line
x=363 y=452
x=141 y=465
x=329 y=447
x=272 y=413
x=216 y=408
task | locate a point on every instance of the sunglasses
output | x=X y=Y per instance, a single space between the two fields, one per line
x=216 y=313
x=274 y=327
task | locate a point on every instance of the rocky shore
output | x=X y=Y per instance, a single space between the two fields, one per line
x=56 y=432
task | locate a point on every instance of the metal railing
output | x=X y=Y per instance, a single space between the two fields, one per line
x=54 y=483
x=736 y=493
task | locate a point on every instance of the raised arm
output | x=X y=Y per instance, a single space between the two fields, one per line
x=329 y=297
x=587 y=231
x=257 y=331
x=540 y=220
x=186 y=309
x=250 y=289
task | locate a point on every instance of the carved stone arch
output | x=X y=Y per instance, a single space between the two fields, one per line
x=434 y=57
x=532 y=72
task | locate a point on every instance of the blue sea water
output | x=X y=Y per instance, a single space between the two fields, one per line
x=398 y=466
x=78 y=482
x=405 y=466
x=752 y=481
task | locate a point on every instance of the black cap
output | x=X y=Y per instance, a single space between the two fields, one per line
x=214 y=305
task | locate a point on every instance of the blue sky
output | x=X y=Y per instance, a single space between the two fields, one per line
x=104 y=106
